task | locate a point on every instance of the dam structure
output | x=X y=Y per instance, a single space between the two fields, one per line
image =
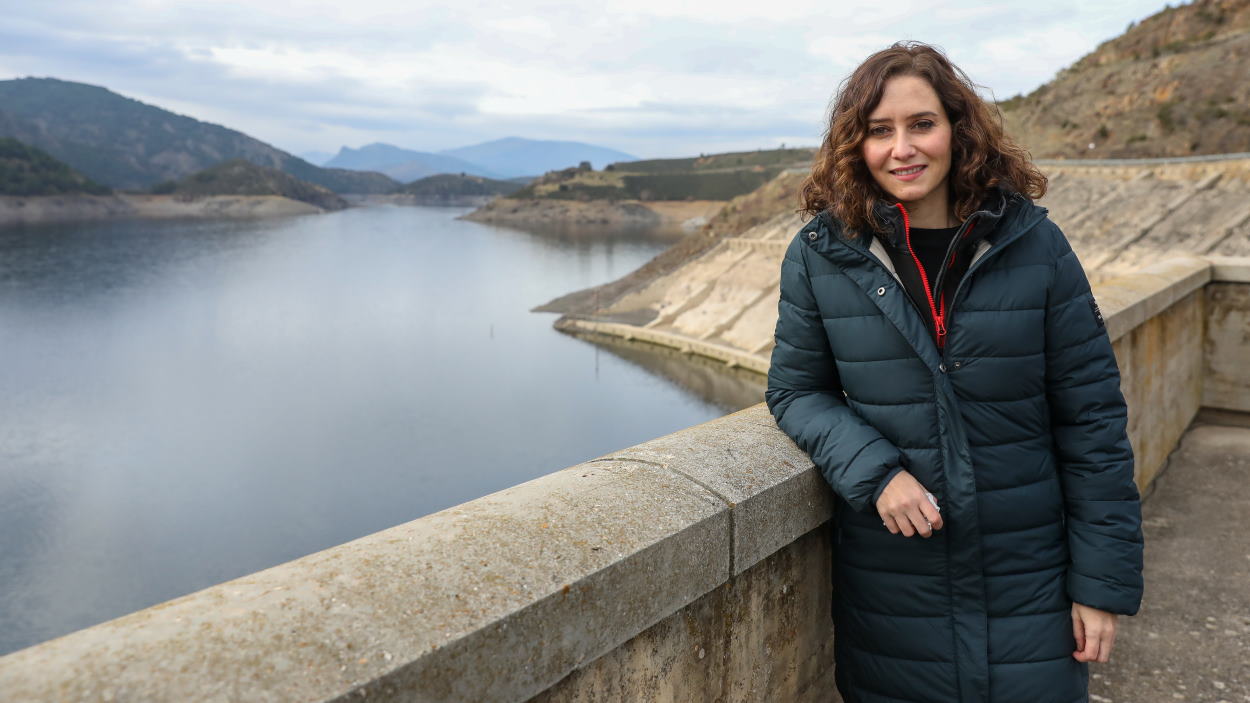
x=696 y=566
x=1118 y=215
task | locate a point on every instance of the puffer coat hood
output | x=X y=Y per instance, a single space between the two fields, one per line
x=1016 y=425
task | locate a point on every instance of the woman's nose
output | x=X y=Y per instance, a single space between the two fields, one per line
x=903 y=148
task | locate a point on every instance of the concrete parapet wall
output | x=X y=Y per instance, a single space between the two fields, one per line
x=1227 y=341
x=1185 y=167
x=693 y=566
x=765 y=636
x=497 y=599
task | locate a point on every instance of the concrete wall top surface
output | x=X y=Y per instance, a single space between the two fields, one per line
x=495 y=599
x=498 y=598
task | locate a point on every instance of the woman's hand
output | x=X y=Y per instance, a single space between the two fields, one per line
x=1094 y=630
x=905 y=507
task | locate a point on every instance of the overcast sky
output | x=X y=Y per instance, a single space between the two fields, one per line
x=649 y=77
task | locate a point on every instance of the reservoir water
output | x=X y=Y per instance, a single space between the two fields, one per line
x=185 y=403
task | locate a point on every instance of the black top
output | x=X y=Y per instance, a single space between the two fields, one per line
x=930 y=246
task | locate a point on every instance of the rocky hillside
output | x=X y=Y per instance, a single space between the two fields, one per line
x=775 y=200
x=716 y=177
x=124 y=143
x=239 y=177
x=25 y=170
x=452 y=186
x=1174 y=84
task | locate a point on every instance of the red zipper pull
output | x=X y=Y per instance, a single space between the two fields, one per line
x=941 y=330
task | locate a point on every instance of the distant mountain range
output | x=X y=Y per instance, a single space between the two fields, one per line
x=123 y=143
x=502 y=158
x=403 y=165
x=316 y=158
x=513 y=156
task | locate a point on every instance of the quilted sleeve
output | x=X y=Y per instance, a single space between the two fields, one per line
x=805 y=395
x=1089 y=431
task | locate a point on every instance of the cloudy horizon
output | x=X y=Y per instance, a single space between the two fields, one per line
x=649 y=78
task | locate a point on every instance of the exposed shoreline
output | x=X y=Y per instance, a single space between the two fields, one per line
x=23 y=209
x=687 y=213
x=409 y=200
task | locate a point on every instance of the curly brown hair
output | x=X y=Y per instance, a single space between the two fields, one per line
x=982 y=155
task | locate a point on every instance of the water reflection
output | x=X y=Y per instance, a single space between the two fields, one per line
x=183 y=403
x=730 y=389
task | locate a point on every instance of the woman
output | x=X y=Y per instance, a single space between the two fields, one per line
x=940 y=357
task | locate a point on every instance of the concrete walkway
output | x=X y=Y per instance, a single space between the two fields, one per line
x=1191 y=640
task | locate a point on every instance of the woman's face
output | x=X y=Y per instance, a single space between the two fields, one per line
x=908 y=146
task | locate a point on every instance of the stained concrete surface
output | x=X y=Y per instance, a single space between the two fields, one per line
x=1191 y=640
x=765 y=635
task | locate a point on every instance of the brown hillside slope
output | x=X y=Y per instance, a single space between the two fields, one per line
x=1173 y=84
x=773 y=200
x=240 y=177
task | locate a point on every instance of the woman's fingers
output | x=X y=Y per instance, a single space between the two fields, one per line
x=905 y=525
x=1108 y=642
x=1078 y=632
x=930 y=512
x=906 y=508
x=1093 y=647
x=1094 y=631
x=921 y=524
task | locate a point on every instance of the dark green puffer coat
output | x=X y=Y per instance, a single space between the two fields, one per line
x=1017 y=425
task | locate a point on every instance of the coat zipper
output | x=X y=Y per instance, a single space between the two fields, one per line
x=960 y=235
x=979 y=262
x=938 y=309
x=967 y=274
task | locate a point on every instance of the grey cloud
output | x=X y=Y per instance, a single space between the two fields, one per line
x=162 y=70
x=160 y=52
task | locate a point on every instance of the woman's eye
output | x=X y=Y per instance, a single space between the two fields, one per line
x=924 y=124
x=878 y=131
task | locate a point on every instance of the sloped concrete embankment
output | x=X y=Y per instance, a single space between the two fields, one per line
x=1119 y=216
x=690 y=567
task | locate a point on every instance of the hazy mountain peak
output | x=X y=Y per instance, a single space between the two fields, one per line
x=518 y=156
x=404 y=165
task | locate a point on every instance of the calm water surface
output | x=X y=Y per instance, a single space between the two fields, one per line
x=181 y=404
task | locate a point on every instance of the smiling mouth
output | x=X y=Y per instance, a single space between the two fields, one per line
x=909 y=171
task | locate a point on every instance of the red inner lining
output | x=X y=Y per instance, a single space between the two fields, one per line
x=938 y=309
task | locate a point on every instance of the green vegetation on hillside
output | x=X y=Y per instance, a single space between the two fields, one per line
x=449 y=185
x=25 y=170
x=768 y=158
x=239 y=177
x=127 y=144
x=714 y=177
